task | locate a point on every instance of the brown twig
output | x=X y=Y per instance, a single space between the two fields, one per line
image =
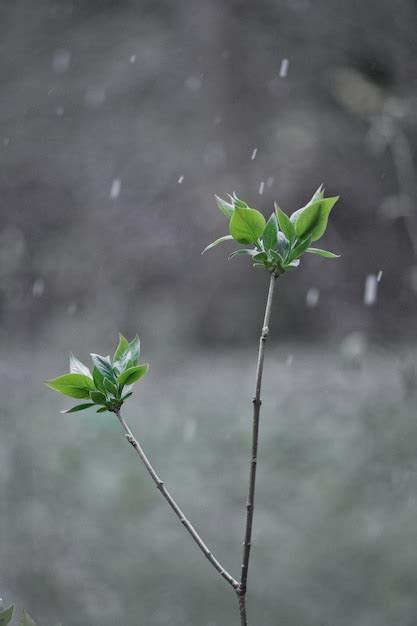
x=241 y=591
x=172 y=503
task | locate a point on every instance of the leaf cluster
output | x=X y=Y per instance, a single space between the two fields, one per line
x=108 y=385
x=7 y=614
x=277 y=244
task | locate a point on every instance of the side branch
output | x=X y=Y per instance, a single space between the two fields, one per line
x=172 y=503
x=254 y=453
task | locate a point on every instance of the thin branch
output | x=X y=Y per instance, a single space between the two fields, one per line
x=253 y=460
x=177 y=510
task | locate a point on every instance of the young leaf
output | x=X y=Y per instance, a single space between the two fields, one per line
x=243 y=252
x=104 y=366
x=304 y=219
x=320 y=225
x=325 y=253
x=292 y=265
x=216 y=243
x=134 y=347
x=133 y=374
x=270 y=236
x=98 y=379
x=247 y=225
x=276 y=257
x=98 y=397
x=225 y=207
x=127 y=395
x=260 y=257
x=76 y=367
x=72 y=385
x=111 y=387
x=283 y=245
x=26 y=620
x=122 y=346
x=102 y=409
x=318 y=194
x=6 y=616
x=75 y=409
x=285 y=223
x=300 y=248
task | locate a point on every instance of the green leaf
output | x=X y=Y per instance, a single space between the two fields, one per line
x=325 y=253
x=270 y=235
x=102 y=409
x=318 y=194
x=247 y=225
x=243 y=252
x=292 y=265
x=300 y=248
x=98 y=397
x=72 y=385
x=122 y=346
x=75 y=409
x=76 y=367
x=134 y=346
x=304 y=219
x=276 y=257
x=285 y=223
x=126 y=396
x=98 y=379
x=283 y=245
x=104 y=366
x=320 y=225
x=133 y=374
x=6 y=616
x=26 y=620
x=111 y=388
x=225 y=207
x=216 y=243
x=261 y=257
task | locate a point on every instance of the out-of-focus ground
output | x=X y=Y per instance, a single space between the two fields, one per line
x=87 y=539
x=119 y=120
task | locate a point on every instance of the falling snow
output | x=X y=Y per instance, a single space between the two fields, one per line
x=379 y=276
x=269 y=181
x=261 y=188
x=115 y=188
x=132 y=58
x=181 y=178
x=312 y=297
x=61 y=61
x=253 y=157
x=38 y=288
x=370 y=291
x=283 y=70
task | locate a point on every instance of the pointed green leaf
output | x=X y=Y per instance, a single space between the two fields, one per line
x=292 y=265
x=260 y=257
x=225 y=207
x=76 y=367
x=134 y=347
x=318 y=194
x=6 y=616
x=122 y=346
x=104 y=366
x=325 y=253
x=98 y=397
x=111 y=387
x=98 y=379
x=304 y=219
x=320 y=225
x=216 y=243
x=102 y=409
x=242 y=252
x=270 y=236
x=126 y=396
x=133 y=374
x=285 y=223
x=276 y=257
x=300 y=248
x=247 y=225
x=75 y=409
x=72 y=385
x=26 y=620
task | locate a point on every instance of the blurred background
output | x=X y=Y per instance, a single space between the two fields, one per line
x=119 y=121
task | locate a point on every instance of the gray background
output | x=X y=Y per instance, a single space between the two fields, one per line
x=146 y=93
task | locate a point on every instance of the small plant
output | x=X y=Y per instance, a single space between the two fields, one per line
x=277 y=246
x=7 y=615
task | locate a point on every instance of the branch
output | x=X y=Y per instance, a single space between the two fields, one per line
x=253 y=461
x=172 y=503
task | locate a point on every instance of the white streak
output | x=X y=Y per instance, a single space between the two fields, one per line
x=379 y=276
x=261 y=188
x=181 y=178
x=115 y=188
x=269 y=181
x=312 y=297
x=370 y=291
x=283 y=70
x=253 y=157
